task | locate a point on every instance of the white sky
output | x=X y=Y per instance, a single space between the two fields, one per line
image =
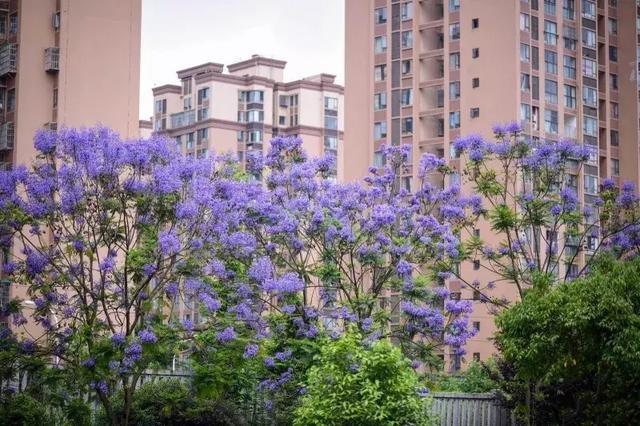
x=177 y=34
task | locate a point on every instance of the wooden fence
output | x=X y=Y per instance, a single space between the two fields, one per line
x=470 y=409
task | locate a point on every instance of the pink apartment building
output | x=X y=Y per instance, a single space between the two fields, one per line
x=241 y=110
x=424 y=72
x=65 y=63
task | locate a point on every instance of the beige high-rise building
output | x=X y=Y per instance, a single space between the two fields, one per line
x=65 y=63
x=425 y=72
x=240 y=111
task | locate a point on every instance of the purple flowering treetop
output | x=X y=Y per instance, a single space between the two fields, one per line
x=327 y=254
x=544 y=222
x=108 y=236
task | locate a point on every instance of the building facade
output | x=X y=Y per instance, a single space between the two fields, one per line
x=66 y=63
x=425 y=72
x=241 y=110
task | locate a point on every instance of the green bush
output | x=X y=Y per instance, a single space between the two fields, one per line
x=573 y=352
x=22 y=409
x=359 y=385
x=478 y=378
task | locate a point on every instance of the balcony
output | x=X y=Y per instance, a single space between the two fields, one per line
x=431 y=69
x=8 y=61
x=432 y=39
x=52 y=59
x=432 y=99
x=432 y=11
x=7 y=135
x=182 y=119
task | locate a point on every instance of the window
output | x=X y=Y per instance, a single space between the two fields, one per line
x=569 y=67
x=475 y=82
x=569 y=96
x=203 y=114
x=550 y=62
x=203 y=135
x=534 y=27
x=454 y=5
x=535 y=87
x=255 y=116
x=615 y=167
x=525 y=22
x=525 y=113
x=525 y=82
x=550 y=92
x=406 y=10
x=178 y=143
x=589 y=9
x=454 y=90
x=407 y=39
x=613 y=26
x=615 y=138
x=569 y=9
x=380 y=130
x=550 y=121
x=161 y=105
x=378 y=159
x=190 y=138
x=613 y=81
x=534 y=57
x=454 y=120
x=590 y=96
x=331 y=103
x=406 y=97
x=55 y=98
x=590 y=126
x=253 y=96
x=380 y=72
x=550 y=33
x=186 y=102
x=475 y=23
x=454 y=61
x=613 y=53
x=13 y=24
x=525 y=52
x=380 y=15
x=203 y=94
x=570 y=38
x=590 y=184
x=615 y=110
x=255 y=136
x=589 y=68
x=282 y=120
x=186 y=86
x=380 y=101
x=406 y=67
x=407 y=125
x=454 y=31
x=293 y=100
x=475 y=112
x=589 y=38
x=330 y=122
x=476 y=325
x=550 y=7
x=330 y=142
x=475 y=52
x=380 y=44
x=293 y=120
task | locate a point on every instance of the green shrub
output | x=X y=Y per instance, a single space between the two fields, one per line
x=22 y=409
x=478 y=378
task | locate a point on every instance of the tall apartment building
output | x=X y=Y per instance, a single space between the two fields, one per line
x=65 y=63
x=239 y=111
x=425 y=72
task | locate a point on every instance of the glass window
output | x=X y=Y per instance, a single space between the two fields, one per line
x=380 y=15
x=454 y=120
x=454 y=5
x=13 y=23
x=407 y=39
x=550 y=33
x=615 y=138
x=380 y=44
x=615 y=110
x=475 y=23
x=569 y=9
x=590 y=96
x=613 y=26
x=550 y=121
x=406 y=97
x=330 y=103
x=550 y=61
x=590 y=184
x=613 y=53
x=589 y=68
x=203 y=94
x=525 y=113
x=525 y=82
x=570 y=67
x=550 y=7
x=454 y=90
x=380 y=130
x=613 y=80
x=331 y=142
x=589 y=9
x=570 y=38
x=454 y=31
x=590 y=126
x=330 y=122
x=475 y=52
x=475 y=82
x=186 y=86
x=475 y=112
x=203 y=114
x=378 y=159
x=406 y=10
x=380 y=72
x=380 y=100
x=454 y=61
x=615 y=167
x=551 y=91
x=589 y=38
x=525 y=52
x=569 y=96
x=406 y=66
x=525 y=22
x=407 y=125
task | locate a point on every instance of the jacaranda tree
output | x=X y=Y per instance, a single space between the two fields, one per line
x=540 y=231
x=114 y=239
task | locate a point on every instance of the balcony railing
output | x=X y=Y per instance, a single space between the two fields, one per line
x=52 y=59
x=7 y=134
x=8 y=55
x=183 y=118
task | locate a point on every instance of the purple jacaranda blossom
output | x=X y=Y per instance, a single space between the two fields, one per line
x=147 y=336
x=168 y=242
x=250 y=350
x=226 y=335
x=118 y=339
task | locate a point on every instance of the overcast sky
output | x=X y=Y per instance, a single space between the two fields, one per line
x=177 y=34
